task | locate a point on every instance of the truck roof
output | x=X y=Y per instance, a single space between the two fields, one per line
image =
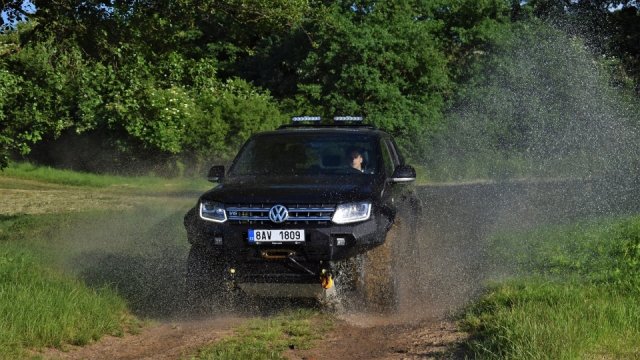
x=327 y=129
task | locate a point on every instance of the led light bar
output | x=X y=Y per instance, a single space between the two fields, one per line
x=305 y=118
x=348 y=118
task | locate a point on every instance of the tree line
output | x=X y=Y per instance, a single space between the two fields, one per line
x=129 y=85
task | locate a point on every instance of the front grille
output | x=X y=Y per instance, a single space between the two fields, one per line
x=298 y=213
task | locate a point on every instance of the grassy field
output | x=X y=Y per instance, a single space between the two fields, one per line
x=146 y=184
x=573 y=294
x=80 y=259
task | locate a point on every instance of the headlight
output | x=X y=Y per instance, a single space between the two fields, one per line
x=212 y=211
x=352 y=212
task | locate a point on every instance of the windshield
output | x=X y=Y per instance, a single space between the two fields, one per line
x=307 y=154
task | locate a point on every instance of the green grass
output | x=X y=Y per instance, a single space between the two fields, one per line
x=574 y=295
x=44 y=308
x=269 y=338
x=28 y=171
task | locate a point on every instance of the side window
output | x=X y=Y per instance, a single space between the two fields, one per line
x=395 y=157
x=399 y=159
x=387 y=159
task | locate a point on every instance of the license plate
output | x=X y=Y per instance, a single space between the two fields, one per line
x=275 y=236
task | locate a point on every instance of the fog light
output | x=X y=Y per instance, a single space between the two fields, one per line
x=217 y=240
x=340 y=241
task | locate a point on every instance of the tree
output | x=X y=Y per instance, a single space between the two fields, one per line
x=395 y=62
x=138 y=78
x=380 y=60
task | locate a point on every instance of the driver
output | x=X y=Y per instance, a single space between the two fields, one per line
x=356 y=159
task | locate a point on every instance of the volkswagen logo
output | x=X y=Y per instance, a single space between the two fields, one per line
x=278 y=214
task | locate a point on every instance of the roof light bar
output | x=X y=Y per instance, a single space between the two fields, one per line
x=348 y=118
x=305 y=118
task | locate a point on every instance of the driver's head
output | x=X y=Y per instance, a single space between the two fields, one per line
x=355 y=158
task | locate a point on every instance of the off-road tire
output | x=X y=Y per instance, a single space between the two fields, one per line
x=378 y=277
x=381 y=278
x=390 y=275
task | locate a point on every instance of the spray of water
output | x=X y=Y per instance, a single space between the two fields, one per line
x=554 y=140
x=139 y=251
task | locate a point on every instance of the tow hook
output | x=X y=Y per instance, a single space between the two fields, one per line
x=326 y=279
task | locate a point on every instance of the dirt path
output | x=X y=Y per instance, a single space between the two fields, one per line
x=376 y=338
x=170 y=340
x=353 y=337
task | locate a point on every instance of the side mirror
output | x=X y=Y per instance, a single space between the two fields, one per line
x=403 y=173
x=216 y=173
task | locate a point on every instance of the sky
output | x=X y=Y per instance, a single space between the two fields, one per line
x=27 y=6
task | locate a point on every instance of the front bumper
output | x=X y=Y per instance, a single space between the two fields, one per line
x=325 y=243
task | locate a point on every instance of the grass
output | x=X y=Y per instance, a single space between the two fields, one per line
x=268 y=338
x=573 y=295
x=43 y=308
x=50 y=175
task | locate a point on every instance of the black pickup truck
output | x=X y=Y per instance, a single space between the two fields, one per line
x=301 y=209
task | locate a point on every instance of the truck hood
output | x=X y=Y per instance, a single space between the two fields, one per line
x=298 y=190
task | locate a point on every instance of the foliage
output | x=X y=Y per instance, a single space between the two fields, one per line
x=135 y=85
x=380 y=63
x=389 y=61
x=168 y=80
x=136 y=109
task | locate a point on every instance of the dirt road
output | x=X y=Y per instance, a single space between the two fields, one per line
x=164 y=341
x=353 y=337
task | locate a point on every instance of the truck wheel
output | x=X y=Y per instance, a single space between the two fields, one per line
x=379 y=280
x=385 y=278
x=207 y=285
